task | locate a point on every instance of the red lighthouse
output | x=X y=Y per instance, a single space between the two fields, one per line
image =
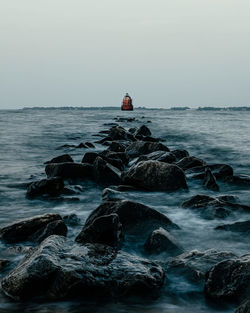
x=127 y=103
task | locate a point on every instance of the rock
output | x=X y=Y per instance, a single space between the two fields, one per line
x=132 y=130
x=229 y=280
x=82 y=145
x=194 y=264
x=240 y=227
x=189 y=162
x=239 y=180
x=105 y=229
x=117 y=147
x=162 y=156
x=3 y=263
x=180 y=154
x=22 y=230
x=119 y=133
x=160 y=241
x=53 y=228
x=210 y=181
x=147 y=138
x=89 y=157
x=70 y=170
x=71 y=219
x=89 y=144
x=156 y=176
x=221 y=171
x=106 y=174
x=143 y=131
x=115 y=155
x=65 y=146
x=138 y=148
x=16 y=250
x=104 y=140
x=61 y=159
x=134 y=216
x=51 y=186
x=244 y=307
x=59 y=269
x=115 y=162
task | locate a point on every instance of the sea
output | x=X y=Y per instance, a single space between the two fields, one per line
x=31 y=136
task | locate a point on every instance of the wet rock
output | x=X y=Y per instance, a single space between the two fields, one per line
x=105 y=229
x=117 y=147
x=180 y=154
x=71 y=219
x=155 y=175
x=95 y=271
x=115 y=155
x=229 y=280
x=160 y=241
x=115 y=162
x=53 y=228
x=132 y=130
x=65 y=146
x=82 y=145
x=239 y=180
x=22 y=230
x=210 y=181
x=189 y=162
x=147 y=138
x=167 y=157
x=112 y=193
x=119 y=133
x=220 y=171
x=134 y=216
x=143 y=131
x=162 y=156
x=104 y=140
x=61 y=159
x=244 y=307
x=240 y=227
x=14 y=250
x=198 y=201
x=51 y=186
x=70 y=170
x=138 y=148
x=89 y=157
x=89 y=144
x=106 y=174
x=3 y=264
x=194 y=264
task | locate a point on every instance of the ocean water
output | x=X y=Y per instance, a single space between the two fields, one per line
x=29 y=137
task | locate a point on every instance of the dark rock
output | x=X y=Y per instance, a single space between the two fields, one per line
x=51 y=186
x=167 y=157
x=54 y=228
x=162 y=156
x=155 y=175
x=119 y=133
x=194 y=264
x=198 y=201
x=147 y=138
x=89 y=157
x=22 y=230
x=115 y=162
x=65 y=146
x=89 y=144
x=3 y=263
x=132 y=130
x=105 y=229
x=71 y=219
x=229 y=280
x=210 y=181
x=61 y=159
x=70 y=170
x=244 y=307
x=117 y=147
x=106 y=174
x=104 y=140
x=189 y=162
x=133 y=216
x=160 y=241
x=180 y=154
x=15 y=250
x=241 y=227
x=240 y=180
x=138 y=148
x=116 y=192
x=115 y=155
x=58 y=269
x=221 y=171
x=143 y=131
x=81 y=145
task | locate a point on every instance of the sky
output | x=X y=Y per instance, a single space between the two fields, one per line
x=164 y=53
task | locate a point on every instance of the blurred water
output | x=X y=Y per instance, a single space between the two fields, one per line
x=30 y=137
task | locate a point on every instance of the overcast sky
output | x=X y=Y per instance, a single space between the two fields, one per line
x=90 y=52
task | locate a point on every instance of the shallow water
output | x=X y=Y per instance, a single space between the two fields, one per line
x=30 y=137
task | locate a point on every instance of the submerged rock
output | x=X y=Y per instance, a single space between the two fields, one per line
x=95 y=271
x=105 y=229
x=240 y=227
x=51 y=186
x=69 y=170
x=210 y=181
x=61 y=159
x=155 y=175
x=229 y=280
x=26 y=228
x=239 y=180
x=160 y=241
x=138 y=148
x=189 y=162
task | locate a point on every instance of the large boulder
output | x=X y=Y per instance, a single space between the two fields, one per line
x=189 y=162
x=105 y=229
x=160 y=240
x=89 y=157
x=59 y=268
x=180 y=154
x=51 y=186
x=155 y=175
x=143 y=131
x=106 y=174
x=26 y=228
x=61 y=159
x=119 y=133
x=162 y=156
x=136 y=218
x=138 y=148
x=229 y=280
x=69 y=170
